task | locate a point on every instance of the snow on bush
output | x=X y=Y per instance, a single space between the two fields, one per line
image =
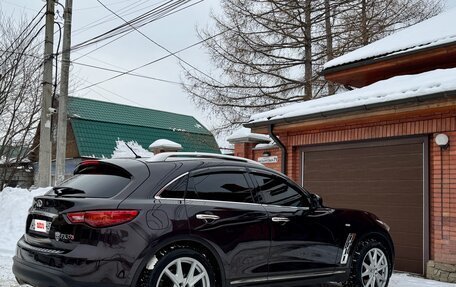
x=14 y=206
x=122 y=150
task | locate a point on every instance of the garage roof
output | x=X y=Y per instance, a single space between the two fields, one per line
x=390 y=91
x=430 y=33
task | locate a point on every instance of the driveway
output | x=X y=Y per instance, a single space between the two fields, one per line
x=398 y=279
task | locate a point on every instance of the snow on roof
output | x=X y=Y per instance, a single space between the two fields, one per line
x=123 y=151
x=270 y=145
x=245 y=135
x=437 y=30
x=397 y=88
x=165 y=144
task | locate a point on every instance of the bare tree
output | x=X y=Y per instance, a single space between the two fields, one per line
x=272 y=51
x=20 y=82
x=366 y=21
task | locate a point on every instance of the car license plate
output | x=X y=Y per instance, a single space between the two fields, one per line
x=39 y=225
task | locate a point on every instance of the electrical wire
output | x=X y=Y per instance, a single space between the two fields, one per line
x=153 y=61
x=124 y=73
x=20 y=6
x=157 y=44
x=127 y=33
x=150 y=16
x=22 y=53
x=111 y=92
x=21 y=35
x=106 y=69
x=110 y=18
x=94 y=7
x=56 y=56
x=124 y=9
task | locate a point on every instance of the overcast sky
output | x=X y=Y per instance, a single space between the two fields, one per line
x=174 y=32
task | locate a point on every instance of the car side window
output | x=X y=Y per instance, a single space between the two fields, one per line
x=176 y=189
x=222 y=186
x=275 y=190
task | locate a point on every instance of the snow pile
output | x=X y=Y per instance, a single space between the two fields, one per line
x=14 y=205
x=397 y=88
x=122 y=150
x=165 y=144
x=407 y=280
x=245 y=134
x=429 y=33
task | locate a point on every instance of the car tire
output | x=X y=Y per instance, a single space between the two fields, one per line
x=166 y=272
x=370 y=266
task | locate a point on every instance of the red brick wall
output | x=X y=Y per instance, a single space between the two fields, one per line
x=443 y=238
x=443 y=246
x=365 y=131
x=274 y=152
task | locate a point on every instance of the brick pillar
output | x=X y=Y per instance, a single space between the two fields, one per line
x=443 y=211
x=244 y=149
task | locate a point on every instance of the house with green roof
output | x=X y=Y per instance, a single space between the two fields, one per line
x=95 y=126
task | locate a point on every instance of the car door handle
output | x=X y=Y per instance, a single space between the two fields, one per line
x=207 y=217
x=280 y=219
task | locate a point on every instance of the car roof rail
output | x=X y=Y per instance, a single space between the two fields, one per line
x=202 y=155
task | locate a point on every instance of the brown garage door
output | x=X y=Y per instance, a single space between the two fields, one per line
x=383 y=178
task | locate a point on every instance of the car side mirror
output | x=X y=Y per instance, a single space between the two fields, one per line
x=316 y=200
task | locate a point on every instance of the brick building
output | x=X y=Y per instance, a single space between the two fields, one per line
x=374 y=147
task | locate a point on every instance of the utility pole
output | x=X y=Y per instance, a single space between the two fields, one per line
x=63 y=98
x=44 y=164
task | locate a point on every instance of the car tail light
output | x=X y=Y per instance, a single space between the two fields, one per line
x=90 y=162
x=102 y=218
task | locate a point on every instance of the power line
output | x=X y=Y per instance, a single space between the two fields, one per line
x=138 y=21
x=104 y=69
x=97 y=22
x=22 y=53
x=57 y=62
x=124 y=73
x=127 y=33
x=110 y=18
x=154 y=61
x=94 y=7
x=20 y=6
x=24 y=31
x=111 y=92
x=157 y=44
x=130 y=72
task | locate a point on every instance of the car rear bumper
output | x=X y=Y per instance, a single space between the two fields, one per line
x=41 y=276
x=43 y=269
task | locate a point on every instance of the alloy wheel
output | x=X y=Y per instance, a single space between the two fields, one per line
x=375 y=269
x=184 y=272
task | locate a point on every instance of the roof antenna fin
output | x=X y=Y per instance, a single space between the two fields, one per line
x=136 y=155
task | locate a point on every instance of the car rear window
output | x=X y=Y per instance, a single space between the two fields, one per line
x=98 y=180
x=97 y=185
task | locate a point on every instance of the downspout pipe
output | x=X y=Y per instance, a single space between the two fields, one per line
x=282 y=148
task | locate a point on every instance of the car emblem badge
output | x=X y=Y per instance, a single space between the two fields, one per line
x=39 y=203
x=63 y=237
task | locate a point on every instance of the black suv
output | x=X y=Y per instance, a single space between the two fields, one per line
x=195 y=220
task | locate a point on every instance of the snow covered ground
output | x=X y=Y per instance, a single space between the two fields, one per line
x=398 y=279
x=14 y=204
